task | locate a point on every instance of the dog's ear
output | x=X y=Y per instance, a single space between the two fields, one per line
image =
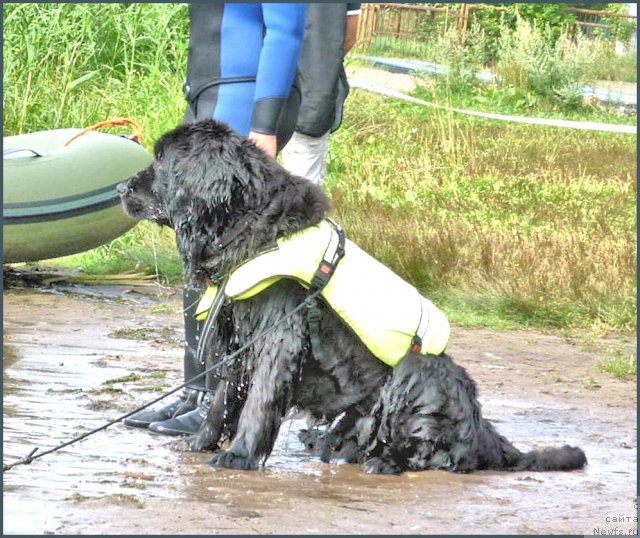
x=294 y=203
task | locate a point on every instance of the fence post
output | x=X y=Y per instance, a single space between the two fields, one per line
x=362 y=24
x=366 y=26
x=462 y=21
x=374 y=20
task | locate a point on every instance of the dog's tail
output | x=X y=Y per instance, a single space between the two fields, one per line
x=565 y=458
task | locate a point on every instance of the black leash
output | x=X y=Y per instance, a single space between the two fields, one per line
x=226 y=360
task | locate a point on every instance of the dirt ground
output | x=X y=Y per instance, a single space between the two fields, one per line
x=76 y=357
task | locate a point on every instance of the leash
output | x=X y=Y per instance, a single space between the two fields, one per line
x=224 y=361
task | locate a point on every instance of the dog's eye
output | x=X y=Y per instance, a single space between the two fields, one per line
x=159 y=155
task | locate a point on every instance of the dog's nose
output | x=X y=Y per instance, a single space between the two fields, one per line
x=122 y=188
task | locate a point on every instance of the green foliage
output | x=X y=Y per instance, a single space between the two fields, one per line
x=61 y=59
x=552 y=68
x=493 y=19
x=621 y=28
x=534 y=72
x=551 y=17
x=555 y=18
x=615 y=67
x=501 y=224
x=621 y=367
x=146 y=247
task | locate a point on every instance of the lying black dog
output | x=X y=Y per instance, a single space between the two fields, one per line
x=226 y=201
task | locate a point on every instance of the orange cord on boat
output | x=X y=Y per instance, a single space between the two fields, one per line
x=111 y=122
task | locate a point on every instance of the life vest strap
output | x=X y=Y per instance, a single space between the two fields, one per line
x=332 y=255
x=313 y=320
x=326 y=269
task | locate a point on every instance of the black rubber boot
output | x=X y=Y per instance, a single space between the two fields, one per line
x=185 y=403
x=190 y=298
x=186 y=424
x=188 y=421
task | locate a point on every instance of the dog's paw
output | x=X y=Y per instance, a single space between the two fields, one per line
x=349 y=451
x=379 y=466
x=232 y=459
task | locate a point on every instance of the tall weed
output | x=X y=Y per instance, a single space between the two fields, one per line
x=530 y=60
x=528 y=223
x=72 y=65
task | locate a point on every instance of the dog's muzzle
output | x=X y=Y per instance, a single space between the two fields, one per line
x=123 y=188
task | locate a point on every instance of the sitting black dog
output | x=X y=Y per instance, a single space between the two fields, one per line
x=226 y=201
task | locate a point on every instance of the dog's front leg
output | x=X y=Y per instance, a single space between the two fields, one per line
x=260 y=418
x=274 y=364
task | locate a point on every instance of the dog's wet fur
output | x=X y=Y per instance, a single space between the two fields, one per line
x=226 y=201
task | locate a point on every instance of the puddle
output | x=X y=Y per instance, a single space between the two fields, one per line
x=68 y=360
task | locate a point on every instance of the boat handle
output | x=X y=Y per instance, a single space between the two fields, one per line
x=111 y=122
x=9 y=151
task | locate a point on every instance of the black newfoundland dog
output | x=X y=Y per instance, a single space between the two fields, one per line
x=226 y=201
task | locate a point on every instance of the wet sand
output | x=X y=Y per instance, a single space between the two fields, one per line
x=75 y=358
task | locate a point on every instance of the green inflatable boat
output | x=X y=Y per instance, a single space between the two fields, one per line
x=59 y=191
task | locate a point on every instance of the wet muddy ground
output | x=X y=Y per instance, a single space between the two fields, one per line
x=75 y=358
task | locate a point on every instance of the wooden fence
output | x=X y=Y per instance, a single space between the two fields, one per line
x=408 y=25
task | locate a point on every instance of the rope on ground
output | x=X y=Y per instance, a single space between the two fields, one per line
x=570 y=124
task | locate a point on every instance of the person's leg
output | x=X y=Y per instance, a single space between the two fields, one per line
x=306 y=156
x=188 y=422
x=193 y=395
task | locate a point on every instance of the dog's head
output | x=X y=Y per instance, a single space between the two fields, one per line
x=194 y=165
x=205 y=180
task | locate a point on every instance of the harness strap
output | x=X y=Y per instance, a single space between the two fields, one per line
x=214 y=310
x=332 y=255
x=423 y=325
x=326 y=269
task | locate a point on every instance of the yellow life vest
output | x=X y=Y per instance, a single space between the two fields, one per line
x=388 y=314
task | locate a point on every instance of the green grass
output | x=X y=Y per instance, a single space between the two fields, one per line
x=147 y=248
x=618 y=67
x=505 y=224
x=535 y=75
x=515 y=101
x=502 y=225
x=73 y=65
x=621 y=367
